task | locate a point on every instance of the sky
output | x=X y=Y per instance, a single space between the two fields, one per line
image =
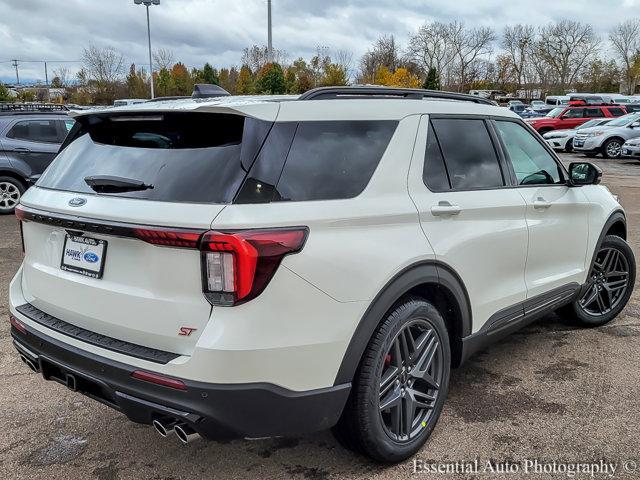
x=216 y=31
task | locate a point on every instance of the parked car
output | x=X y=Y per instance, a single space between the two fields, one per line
x=271 y=266
x=557 y=100
x=537 y=104
x=632 y=107
x=518 y=108
x=608 y=141
x=631 y=149
x=564 y=118
x=30 y=136
x=562 y=140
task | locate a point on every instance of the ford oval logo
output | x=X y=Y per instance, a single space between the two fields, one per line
x=77 y=202
x=91 y=257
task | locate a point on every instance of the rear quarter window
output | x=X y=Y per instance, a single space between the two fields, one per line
x=333 y=160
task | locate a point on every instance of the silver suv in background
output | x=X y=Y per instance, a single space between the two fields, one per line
x=609 y=140
x=563 y=139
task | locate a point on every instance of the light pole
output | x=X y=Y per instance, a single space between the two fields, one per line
x=269 y=32
x=148 y=3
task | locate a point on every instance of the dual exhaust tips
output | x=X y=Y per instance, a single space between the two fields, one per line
x=166 y=427
x=29 y=363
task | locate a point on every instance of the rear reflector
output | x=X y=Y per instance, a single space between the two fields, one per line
x=238 y=266
x=18 y=325
x=159 y=379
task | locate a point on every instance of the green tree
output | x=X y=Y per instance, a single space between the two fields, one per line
x=136 y=81
x=164 y=82
x=271 y=80
x=432 y=81
x=210 y=74
x=4 y=93
x=333 y=75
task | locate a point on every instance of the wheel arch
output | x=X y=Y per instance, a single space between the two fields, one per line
x=433 y=281
x=616 y=225
x=5 y=172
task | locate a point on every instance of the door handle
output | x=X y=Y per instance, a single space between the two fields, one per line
x=21 y=149
x=444 y=209
x=541 y=204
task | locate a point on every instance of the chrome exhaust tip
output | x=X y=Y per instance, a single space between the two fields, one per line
x=29 y=363
x=164 y=427
x=186 y=434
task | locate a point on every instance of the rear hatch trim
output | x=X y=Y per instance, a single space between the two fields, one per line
x=84 y=224
x=96 y=339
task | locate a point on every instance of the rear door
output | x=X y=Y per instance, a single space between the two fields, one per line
x=33 y=142
x=122 y=260
x=557 y=215
x=473 y=221
x=571 y=118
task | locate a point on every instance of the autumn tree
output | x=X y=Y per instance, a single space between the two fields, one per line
x=181 y=80
x=384 y=53
x=245 y=83
x=137 y=83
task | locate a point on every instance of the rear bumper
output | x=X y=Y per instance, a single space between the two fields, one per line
x=214 y=411
x=630 y=151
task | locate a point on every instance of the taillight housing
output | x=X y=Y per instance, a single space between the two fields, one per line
x=237 y=266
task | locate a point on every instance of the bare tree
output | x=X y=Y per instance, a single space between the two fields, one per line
x=625 y=40
x=567 y=47
x=102 y=65
x=385 y=53
x=163 y=59
x=344 y=60
x=518 y=42
x=428 y=48
x=468 y=45
x=62 y=74
x=257 y=57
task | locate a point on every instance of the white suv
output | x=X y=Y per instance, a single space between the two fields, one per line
x=252 y=267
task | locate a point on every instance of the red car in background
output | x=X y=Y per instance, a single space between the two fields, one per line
x=564 y=118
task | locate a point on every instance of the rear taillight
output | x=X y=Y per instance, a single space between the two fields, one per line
x=168 y=238
x=237 y=266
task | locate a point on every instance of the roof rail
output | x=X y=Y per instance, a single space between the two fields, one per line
x=32 y=107
x=369 y=92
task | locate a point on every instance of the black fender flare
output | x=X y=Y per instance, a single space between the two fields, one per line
x=617 y=216
x=432 y=272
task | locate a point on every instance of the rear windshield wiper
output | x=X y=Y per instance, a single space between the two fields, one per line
x=111 y=184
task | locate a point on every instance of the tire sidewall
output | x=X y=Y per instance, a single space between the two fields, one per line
x=390 y=450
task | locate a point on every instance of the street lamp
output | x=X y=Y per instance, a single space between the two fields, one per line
x=148 y=3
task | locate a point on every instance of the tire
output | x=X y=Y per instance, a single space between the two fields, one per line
x=568 y=147
x=11 y=190
x=380 y=434
x=612 y=291
x=612 y=148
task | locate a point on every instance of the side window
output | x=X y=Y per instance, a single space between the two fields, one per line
x=434 y=174
x=593 y=113
x=574 y=113
x=469 y=153
x=333 y=160
x=532 y=163
x=35 y=131
x=616 y=112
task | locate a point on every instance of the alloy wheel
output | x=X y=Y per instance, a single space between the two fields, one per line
x=9 y=196
x=608 y=282
x=410 y=380
x=614 y=149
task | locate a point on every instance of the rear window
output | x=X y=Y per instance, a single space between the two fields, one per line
x=184 y=157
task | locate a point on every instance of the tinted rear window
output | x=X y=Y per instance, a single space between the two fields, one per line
x=317 y=161
x=331 y=160
x=186 y=157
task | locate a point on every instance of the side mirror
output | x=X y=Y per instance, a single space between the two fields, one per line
x=634 y=125
x=584 y=173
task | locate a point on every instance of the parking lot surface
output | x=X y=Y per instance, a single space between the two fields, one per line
x=550 y=392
